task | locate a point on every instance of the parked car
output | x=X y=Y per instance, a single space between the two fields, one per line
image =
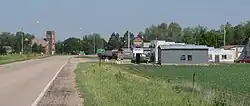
x=143 y=59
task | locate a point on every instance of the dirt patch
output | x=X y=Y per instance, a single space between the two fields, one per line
x=63 y=91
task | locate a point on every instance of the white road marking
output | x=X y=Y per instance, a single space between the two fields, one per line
x=47 y=87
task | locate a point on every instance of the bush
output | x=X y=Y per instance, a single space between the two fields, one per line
x=3 y=50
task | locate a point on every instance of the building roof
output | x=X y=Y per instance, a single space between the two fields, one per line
x=177 y=44
x=232 y=46
x=183 y=47
x=38 y=42
x=126 y=49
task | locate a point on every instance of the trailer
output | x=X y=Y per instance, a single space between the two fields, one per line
x=110 y=54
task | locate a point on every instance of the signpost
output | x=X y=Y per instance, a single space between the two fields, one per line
x=82 y=53
x=138 y=48
x=100 y=51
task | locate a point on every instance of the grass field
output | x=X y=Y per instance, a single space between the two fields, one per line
x=10 y=58
x=88 y=56
x=232 y=77
x=129 y=85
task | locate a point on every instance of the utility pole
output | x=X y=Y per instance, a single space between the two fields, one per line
x=22 y=41
x=128 y=40
x=225 y=34
x=94 y=42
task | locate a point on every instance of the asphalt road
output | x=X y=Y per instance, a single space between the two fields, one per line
x=22 y=82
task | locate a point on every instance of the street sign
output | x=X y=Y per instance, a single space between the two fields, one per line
x=82 y=53
x=137 y=50
x=138 y=42
x=100 y=51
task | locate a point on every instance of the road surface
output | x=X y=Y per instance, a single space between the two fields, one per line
x=22 y=82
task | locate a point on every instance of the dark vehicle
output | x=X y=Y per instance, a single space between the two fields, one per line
x=106 y=55
x=110 y=54
x=143 y=58
x=244 y=60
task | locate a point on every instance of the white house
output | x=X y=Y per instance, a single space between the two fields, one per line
x=238 y=49
x=221 y=55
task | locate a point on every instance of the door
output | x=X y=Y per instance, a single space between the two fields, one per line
x=217 y=59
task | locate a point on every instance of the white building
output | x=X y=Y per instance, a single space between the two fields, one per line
x=221 y=55
x=237 y=48
x=227 y=54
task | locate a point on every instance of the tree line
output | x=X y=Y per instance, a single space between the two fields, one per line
x=14 y=40
x=199 y=35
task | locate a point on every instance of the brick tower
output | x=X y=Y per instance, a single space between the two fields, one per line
x=51 y=41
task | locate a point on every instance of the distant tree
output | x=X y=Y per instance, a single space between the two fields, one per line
x=59 y=47
x=114 y=41
x=72 y=45
x=35 y=48
x=40 y=49
x=2 y=51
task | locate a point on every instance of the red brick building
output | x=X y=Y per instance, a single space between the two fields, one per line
x=48 y=42
x=51 y=43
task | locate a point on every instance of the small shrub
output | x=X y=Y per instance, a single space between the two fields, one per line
x=220 y=100
x=183 y=88
x=118 y=76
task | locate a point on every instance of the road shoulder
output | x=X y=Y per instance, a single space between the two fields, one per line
x=63 y=90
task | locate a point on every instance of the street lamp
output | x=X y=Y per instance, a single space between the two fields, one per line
x=94 y=41
x=26 y=39
x=22 y=41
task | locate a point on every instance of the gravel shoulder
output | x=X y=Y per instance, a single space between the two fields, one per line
x=63 y=91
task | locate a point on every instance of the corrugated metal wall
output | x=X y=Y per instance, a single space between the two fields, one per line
x=169 y=56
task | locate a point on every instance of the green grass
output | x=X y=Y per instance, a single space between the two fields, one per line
x=233 y=77
x=10 y=58
x=87 y=56
x=116 y=85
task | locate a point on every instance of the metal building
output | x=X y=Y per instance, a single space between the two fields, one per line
x=182 y=54
x=154 y=48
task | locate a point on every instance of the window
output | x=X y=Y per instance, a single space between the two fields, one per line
x=183 y=57
x=224 y=56
x=210 y=57
x=190 y=57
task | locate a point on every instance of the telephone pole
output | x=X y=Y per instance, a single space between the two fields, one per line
x=128 y=39
x=94 y=42
x=225 y=34
x=22 y=41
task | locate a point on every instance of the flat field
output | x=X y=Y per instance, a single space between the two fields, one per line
x=231 y=77
x=140 y=85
